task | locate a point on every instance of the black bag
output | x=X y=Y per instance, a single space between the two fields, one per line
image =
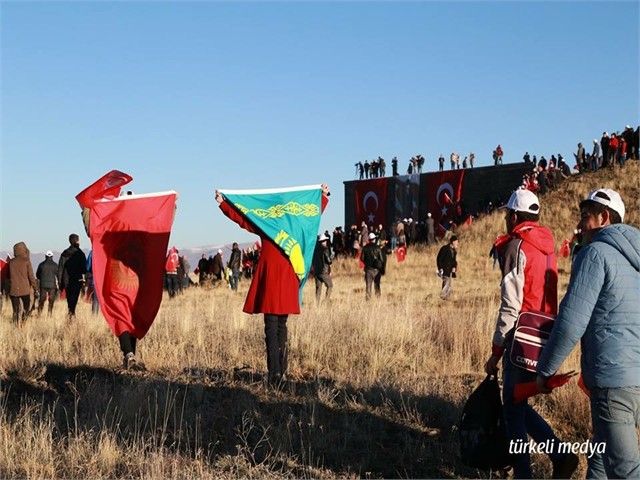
x=483 y=439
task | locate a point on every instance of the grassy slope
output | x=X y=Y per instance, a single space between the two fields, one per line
x=376 y=389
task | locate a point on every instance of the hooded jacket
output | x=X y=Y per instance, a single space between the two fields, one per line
x=21 y=272
x=47 y=274
x=601 y=309
x=529 y=278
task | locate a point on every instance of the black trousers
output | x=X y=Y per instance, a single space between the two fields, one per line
x=15 y=303
x=45 y=293
x=275 y=333
x=127 y=343
x=73 y=293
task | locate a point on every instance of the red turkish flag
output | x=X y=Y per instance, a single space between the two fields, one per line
x=4 y=270
x=443 y=192
x=371 y=201
x=401 y=253
x=565 y=249
x=130 y=236
x=107 y=187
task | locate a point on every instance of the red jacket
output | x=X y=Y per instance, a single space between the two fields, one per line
x=530 y=277
x=275 y=286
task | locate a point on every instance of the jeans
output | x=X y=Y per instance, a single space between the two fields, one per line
x=521 y=419
x=326 y=279
x=447 y=288
x=372 y=277
x=172 y=284
x=615 y=414
x=233 y=279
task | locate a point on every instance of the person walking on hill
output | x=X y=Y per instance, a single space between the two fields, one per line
x=529 y=283
x=600 y=309
x=72 y=268
x=373 y=260
x=203 y=269
x=46 y=273
x=447 y=265
x=216 y=267
x=322 y=267
x=21 y=281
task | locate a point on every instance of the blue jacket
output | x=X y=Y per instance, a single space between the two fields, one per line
x=601 y=307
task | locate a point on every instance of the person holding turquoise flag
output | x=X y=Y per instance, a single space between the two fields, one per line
x=287 y=221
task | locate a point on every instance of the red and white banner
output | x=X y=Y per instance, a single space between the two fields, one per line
x=443 y=195
x=371 y=201
x=107 y=187
x=129 y=236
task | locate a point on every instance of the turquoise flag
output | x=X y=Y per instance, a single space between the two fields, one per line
x=289 y=217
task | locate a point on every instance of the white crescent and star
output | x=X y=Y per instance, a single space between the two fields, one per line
x=371 y=215
x=444 y=187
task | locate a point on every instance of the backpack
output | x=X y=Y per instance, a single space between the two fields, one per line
x=483 y=439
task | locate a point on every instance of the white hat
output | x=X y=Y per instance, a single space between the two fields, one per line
x=523 y=201
x=429 y=214
x=609 y=198
x=49 y=253
x=219 y=250
x=322 y=238
x=372 y=236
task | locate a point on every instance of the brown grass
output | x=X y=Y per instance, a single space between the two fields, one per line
x=376 y=387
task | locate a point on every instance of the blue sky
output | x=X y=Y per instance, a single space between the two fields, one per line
x=193 y=96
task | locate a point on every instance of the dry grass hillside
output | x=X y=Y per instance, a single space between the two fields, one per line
x=376 y=388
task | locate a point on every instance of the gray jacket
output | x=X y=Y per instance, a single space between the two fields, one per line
x=601 y=309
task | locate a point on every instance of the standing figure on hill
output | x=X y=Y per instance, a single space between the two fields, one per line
x=367 y=166
x=452 y=160
x=22 y=280
x=499 y=154
x=431 y=230
x=447 y=266
x=234 y=264
x=203 y=269
x=216 y=267
x=579 y=155
x=628 y=138
x=46 y=273
x=529 y=283
x=171 y=272
x=322 y=267
x=472 y=158
x=382 y=165
x=595 y=156
x=604 y=145
x=600 y=309
x=613 y=149
x=373 y=260
x=284 y=262
x=441 y=163
x=72 y=268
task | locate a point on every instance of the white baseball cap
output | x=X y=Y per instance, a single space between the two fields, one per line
x=372 y=236
x=523 y=201
x=220 y=251
x=608 y=198
x=322 y=238
x=49 y=253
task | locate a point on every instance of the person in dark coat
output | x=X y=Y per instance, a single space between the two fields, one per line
x=203 y=269
x=274 y=292
x=447 y=266
x=374 y=264
x=235 y=265
x=72 y=268
x=216 y=267
x=322 y=267
x=46 y=274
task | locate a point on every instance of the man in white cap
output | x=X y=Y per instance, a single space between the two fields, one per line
x=529 y=283
x=431 y=230
x=600 y=309
x=217 y=267
x=46 y=274
x=374 y=264
x=322 y=267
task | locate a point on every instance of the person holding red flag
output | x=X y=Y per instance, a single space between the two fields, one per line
x=129 y=236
